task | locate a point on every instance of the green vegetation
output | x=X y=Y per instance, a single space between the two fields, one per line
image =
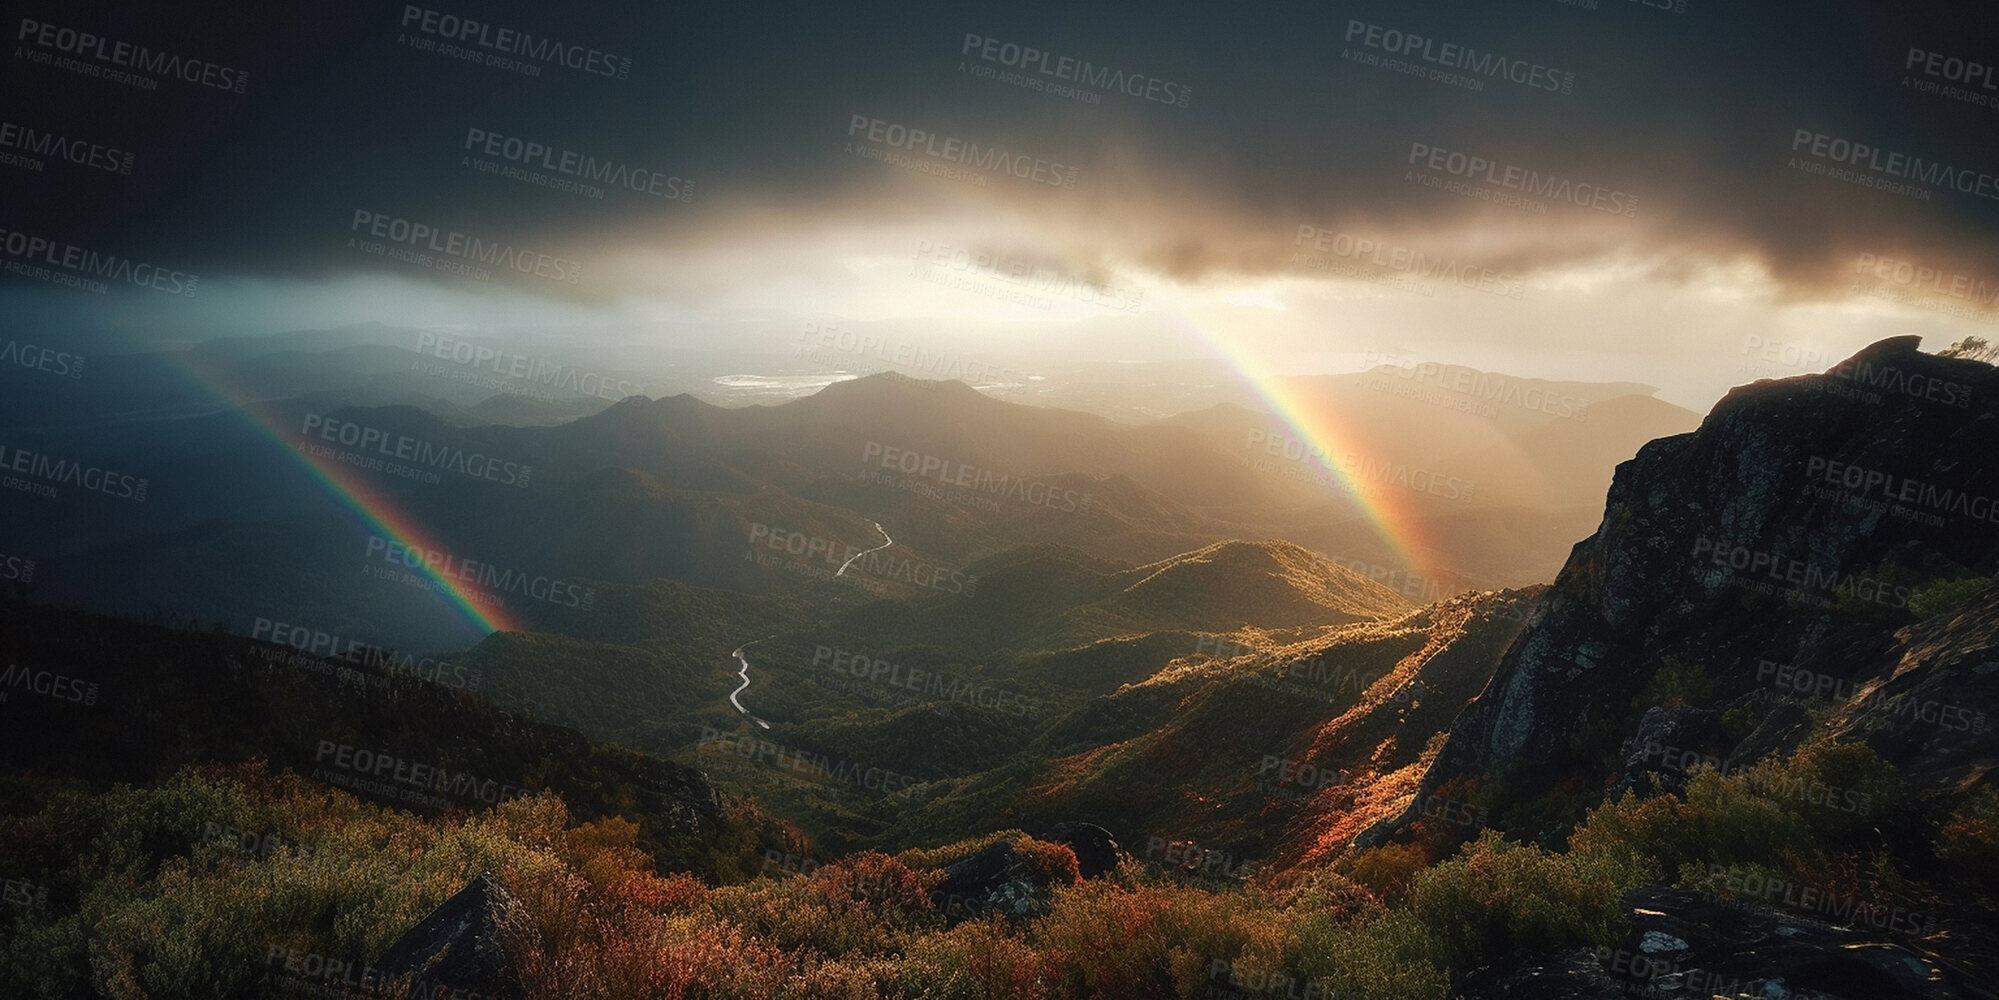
x=1944 y=596
x=141 y=899
x=1676 y=682
x=1970 y=840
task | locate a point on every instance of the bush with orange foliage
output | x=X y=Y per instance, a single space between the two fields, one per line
x=154 y=909
x=875 y=882
x=1126 y=939
x=1054 y=863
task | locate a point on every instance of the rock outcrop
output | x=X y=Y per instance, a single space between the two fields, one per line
x=1783 y=557
x=1686 y=944
x=1002 y=879
x=461 y=949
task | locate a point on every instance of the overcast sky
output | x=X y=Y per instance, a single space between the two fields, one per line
x=1700 y=173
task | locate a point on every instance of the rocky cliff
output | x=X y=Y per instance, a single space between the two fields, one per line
x=1819 y=552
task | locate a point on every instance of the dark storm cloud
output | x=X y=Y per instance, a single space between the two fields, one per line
x=749 y=119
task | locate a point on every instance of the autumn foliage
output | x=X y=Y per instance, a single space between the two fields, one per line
x=131 y=895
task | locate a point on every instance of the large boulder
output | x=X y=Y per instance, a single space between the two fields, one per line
x=1003 y=880
x=462 y=948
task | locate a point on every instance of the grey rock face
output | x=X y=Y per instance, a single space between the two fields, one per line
x=460 y=949
x=1783 y=539
x=1686 y=944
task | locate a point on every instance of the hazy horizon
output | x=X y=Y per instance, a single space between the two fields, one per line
x=1538 y=200
x=1055 y=501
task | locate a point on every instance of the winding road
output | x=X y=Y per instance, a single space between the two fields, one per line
x=744 y=670
x=744 y=673
x=886 y=542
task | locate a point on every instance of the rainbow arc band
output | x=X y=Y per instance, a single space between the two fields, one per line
x=362 y=503
x=1390 y=512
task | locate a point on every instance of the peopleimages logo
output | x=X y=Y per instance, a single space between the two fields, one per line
x=48 y=359
x=23 y=893
x=1733 y=560
x=415 y=450
x=1029 y=282
x=70 y=257
x=1485 y=387
x=1919 y=277
x=401 y=774
x=874 y=566
x=333 y=646
x=1954 y=69
x=98 y=49
x=1253 y=981
x=832 y=340
x=1845 y=909
x=1408 y=583
x=948 y=472
x=1964 y=80
x=1355 y=470
x=1895 y=379
x=1552 y=186
x=507 y=41
x=1792 y=356
x=482 y=574
x=1901 y=166
x=1460 y=57
x=44 y=472
x=814 y=766
x=524 y=368
x=1029 y=59
x=960 y=151
x=1888 y=487
x=1299 y=775
x=452 y=243
x=1187 y=857
x=26 y=141
x=1405 y=260
x=253 y=842
x=569 y=163
x=1818 y=793
x=1800 y=685
x=312 y=969
x=930 y=684
x=48 y=684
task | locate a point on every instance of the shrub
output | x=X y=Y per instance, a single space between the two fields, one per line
x=1388 y=958
x=979 y=960
x=1153 y=940
x=1946 y=596
x=150 y=911
x=1777 y=812
x=874 y=883
x=1496 y=898
x=938 y=857
x=1969 y=840
x=1055 y=864
x=1676 y=682
x=1386 y=871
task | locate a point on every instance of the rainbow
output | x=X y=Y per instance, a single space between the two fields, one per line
x=368 y=507
x=1389 y=512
